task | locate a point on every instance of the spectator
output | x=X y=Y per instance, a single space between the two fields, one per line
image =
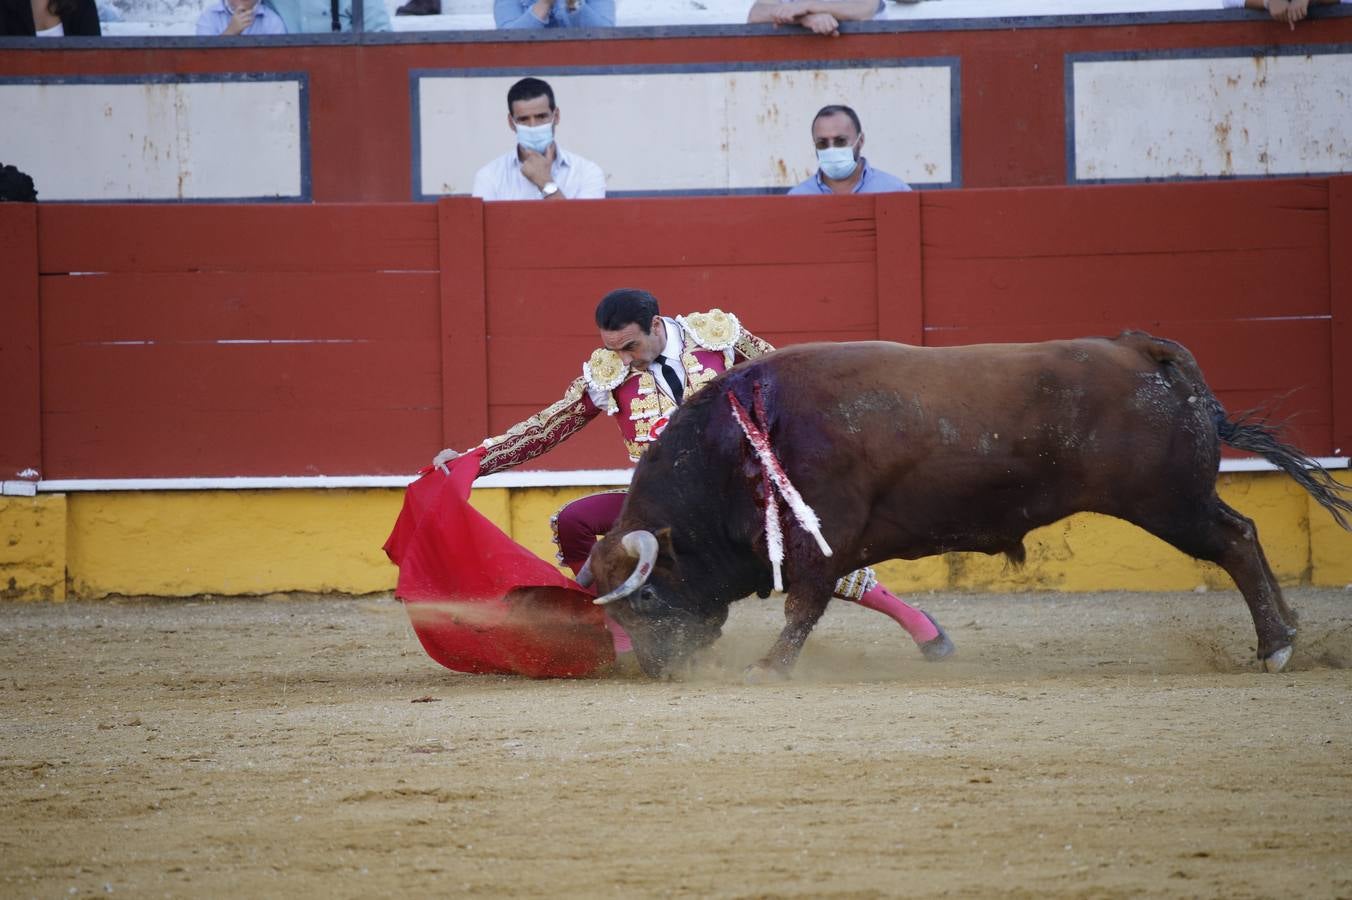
x=53 y=18
x=841 y=166
x=16 y=186
x=249 y=17
x=554 y=13
x=820 y=16
x=1288 y=11
x=319 y=15
x=537 y=168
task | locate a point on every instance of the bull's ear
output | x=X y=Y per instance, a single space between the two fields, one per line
x=665 y=547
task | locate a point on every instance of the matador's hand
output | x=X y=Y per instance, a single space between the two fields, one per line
x=439 y=461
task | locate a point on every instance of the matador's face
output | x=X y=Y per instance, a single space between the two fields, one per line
x=637 y=349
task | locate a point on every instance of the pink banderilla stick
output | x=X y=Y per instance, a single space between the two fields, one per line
x=804 y=514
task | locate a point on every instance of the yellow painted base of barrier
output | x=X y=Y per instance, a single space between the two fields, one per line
x=185 y=543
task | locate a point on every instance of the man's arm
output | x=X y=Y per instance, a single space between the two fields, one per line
x=592 y=183
x=1289 y=11
x=597 y=14
x=770 y=11
x=511 y=14
x=749 y=346
x=483 y=184
x=537 y=435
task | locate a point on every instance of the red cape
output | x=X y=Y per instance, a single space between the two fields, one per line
x=479 y=601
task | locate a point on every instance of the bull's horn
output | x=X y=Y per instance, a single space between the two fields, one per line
x=643 y=546
x=584 y=575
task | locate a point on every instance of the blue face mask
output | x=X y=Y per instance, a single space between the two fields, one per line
x=535 y=137
x=838 y=162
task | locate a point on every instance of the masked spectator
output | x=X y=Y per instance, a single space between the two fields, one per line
x=841 y=167
x=537 y=168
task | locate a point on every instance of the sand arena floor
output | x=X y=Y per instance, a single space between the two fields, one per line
x=1079 y=746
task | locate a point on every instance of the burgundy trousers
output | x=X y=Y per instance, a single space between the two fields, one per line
x=582 y=521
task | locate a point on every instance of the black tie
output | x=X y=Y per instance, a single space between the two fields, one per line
x=673 y=380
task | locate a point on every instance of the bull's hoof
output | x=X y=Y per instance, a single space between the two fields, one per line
x=939 y=647
x=1277 y=661
x=763 y=673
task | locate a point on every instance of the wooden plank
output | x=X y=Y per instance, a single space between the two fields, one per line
x=20 y=346
x=556 y=362
x=1340 y=294
x=791 y=296
x=645 y=233
x=202 y=377
x=206 y=443
x=900 y=296
x=1247 y=363
x=1270 y=282
x=1124 y=219
x=239 y=238
x=216 y=306
x=464 y=332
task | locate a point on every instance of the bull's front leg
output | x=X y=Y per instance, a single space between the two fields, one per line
x=804 y=605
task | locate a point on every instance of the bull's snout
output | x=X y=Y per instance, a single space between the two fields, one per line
x=667 y=647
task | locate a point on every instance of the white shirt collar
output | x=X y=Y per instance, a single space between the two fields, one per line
x=675 y=345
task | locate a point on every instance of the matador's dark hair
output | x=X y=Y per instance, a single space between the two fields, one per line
x=624 y=307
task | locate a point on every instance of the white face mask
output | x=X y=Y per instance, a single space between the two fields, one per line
x=535 y=137
x=838 y=162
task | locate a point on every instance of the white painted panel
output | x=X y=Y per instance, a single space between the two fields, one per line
x=671 y=131
x=1241 y=116
x=906 y=113
x=187 y=140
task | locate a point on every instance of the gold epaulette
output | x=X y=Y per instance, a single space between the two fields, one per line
x=712 y=330
x=605 y=371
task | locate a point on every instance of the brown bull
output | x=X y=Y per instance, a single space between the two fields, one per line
x=904 y=452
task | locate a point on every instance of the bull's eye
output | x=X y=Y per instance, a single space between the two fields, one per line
x=647 y=601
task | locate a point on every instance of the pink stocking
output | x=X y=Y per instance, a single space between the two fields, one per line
x=916 y=623
x=619 y=636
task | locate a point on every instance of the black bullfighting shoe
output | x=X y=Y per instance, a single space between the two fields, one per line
x=938 y=647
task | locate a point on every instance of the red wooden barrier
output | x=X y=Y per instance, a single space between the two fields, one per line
x=791 y=271
x=224 y=340
x=1237 y=271
x=238 y=340
x=20 y=387
x=1340 y=294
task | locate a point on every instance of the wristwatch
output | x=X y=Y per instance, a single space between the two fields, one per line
x=549 y=190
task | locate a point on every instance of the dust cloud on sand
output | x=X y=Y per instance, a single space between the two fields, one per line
x=1103 y=745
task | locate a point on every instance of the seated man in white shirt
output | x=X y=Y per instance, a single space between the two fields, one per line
x=537 y=168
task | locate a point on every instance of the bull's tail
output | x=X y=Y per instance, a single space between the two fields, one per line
x=1251 y=434
x=1249 y=431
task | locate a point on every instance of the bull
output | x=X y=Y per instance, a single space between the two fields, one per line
x=904 y=452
